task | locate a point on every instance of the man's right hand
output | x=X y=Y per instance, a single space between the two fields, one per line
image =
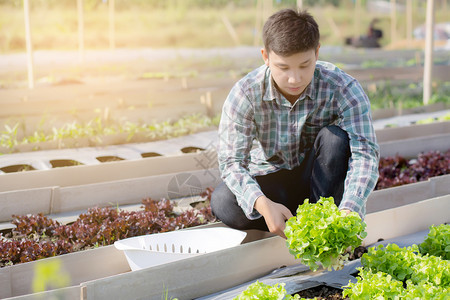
x=275 y=214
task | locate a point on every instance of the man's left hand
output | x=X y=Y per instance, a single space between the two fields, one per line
x=347 y=211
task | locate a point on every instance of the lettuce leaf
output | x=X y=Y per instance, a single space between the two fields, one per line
x=259 y=290
x=437 y=242
x=320 y=233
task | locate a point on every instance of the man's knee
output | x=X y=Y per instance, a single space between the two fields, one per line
x=332 y=134
x=224 y=206
x=332 y=153
x=218 y=198
x=332 y=140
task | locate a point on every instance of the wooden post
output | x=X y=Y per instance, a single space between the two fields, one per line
x=207 y=101
x=428 y=65
x=26 y=10
x=231 y=30
x=299 y=5
x=393 y=21
x=267 y=9
x=409 y=21
x=357 y=24
x=184 y=84
x=334 y=27
x=209 y=107
x=112 y=29
x=80 y=31
x=258 y=22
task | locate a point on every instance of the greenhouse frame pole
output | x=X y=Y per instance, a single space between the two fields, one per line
x=409 y=22
x=80 y=31
x=26 y=10
x=393 y=21
x=357 y=16
x=112 y=29
x=428 y=65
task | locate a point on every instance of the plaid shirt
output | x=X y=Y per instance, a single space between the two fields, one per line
x=261 y=132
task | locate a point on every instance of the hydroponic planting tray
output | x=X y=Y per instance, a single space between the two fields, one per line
x=299 y=277
x=199 y=276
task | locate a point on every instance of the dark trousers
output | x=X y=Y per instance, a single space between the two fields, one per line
x=321 y=173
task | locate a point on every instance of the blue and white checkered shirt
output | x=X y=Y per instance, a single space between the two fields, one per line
x=259 y=123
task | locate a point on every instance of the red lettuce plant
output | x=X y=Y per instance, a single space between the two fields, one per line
x=37 y=236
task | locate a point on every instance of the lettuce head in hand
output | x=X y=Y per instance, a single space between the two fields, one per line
x=320 y=233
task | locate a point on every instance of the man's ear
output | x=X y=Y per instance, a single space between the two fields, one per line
x=265 y=56
x=317 y=51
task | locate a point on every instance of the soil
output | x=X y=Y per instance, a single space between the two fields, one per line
x=357 y=253
x=322 y=292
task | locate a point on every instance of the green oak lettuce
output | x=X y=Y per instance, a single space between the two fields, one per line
x=407 y=264
x=437 y=242
x=380 y=285
x=259 y=290
x=320 y=233
x=374 y=285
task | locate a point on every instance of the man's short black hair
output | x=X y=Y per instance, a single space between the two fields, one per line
x=288 y=32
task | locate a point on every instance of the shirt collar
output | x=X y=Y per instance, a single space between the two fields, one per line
x=270 y=92
x=310 y=90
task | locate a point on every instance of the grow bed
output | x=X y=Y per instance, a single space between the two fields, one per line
x=36 y=236
x=57 y=200
x=102 y=226
x=89 y=265
x=397 y=170
x=299 y=277
x=199 y=276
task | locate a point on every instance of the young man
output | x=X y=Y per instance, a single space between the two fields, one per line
x=292 y=129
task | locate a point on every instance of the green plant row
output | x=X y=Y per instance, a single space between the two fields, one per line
x=388 y=272
x=259 y=290
x=380 y=285
x=443 y=118
x=404 y=95
x=408 y=264
x=437 y=242
x=416 y=272
x=97 y=128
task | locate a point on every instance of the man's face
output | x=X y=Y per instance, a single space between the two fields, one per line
x=292 y=74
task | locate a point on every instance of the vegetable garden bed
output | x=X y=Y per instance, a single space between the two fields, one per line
x=392 y=197
x=427 y=282
x=215 y=272
x=82 y=266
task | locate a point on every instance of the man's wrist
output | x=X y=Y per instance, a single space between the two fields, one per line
x=261 y=203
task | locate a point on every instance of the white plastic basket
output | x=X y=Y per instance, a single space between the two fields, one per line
x=161 y=248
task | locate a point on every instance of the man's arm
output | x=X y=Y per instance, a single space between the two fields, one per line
x=236 y=134
x=362 y=175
